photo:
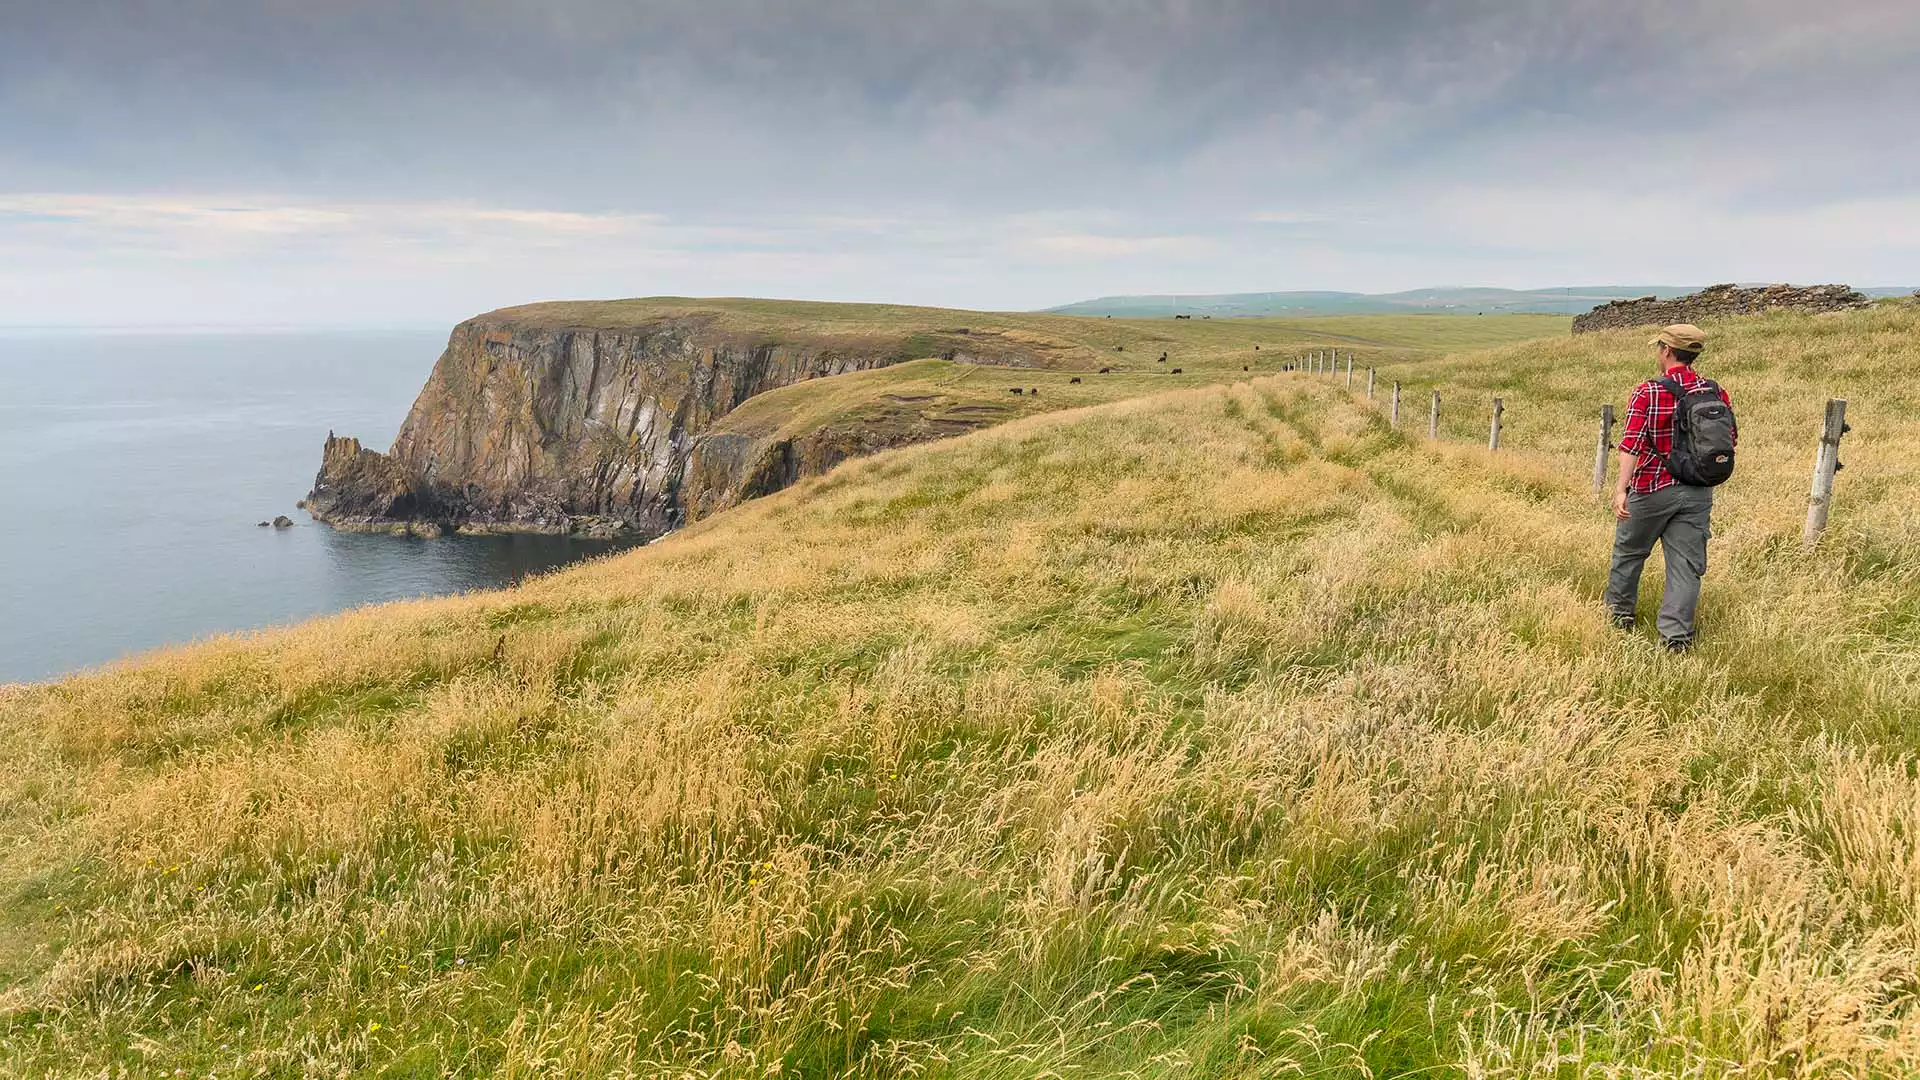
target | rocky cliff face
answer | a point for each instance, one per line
(728, 467)
(1718, 301)
(531, 425)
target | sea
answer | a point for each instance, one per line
(136, 466)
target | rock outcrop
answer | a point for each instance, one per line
(1719, 301)
(590, 419)
(727, 467)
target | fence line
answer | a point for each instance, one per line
(1826, 461)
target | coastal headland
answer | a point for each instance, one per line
(634, 417)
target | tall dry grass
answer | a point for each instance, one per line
(1226, 733)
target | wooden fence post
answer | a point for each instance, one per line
(1603, 449)
(1825, 463)
(1493, 436)
(1369, 384)
(1349, 373)
(1396, 404)
(1433, 418)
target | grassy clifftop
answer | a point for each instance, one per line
(746, 315)
(1223, 732)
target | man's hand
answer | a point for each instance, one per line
(1620, 504)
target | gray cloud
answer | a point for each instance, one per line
(1022, 151)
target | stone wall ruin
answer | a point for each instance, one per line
(1719, 301)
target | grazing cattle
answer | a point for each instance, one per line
(1075, 379)
(1256, 348)
(1176, 371)
(1035, 391)
(1013, 389)
(1119, 348)
(1183, 316)
(1104, 370)
(1243, 367)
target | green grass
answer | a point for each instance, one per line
(1220, 732)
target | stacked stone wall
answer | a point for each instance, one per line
(1719, 301)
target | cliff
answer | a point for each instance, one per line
(1719, 301)
(591, 418)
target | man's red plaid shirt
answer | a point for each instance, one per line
(1649, 429)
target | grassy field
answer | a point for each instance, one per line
(1204, 336)
(1222, 732)
(1073, 351)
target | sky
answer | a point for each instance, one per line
(374, 162)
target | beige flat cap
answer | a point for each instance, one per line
(1683, 336)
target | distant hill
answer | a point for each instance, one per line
(1569, 300)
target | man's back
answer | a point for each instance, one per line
(1652, 504)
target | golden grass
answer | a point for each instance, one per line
(1224, 732)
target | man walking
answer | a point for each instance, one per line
(1676, 423)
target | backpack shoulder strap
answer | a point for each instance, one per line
(1672, 386)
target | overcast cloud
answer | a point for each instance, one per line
(302, 162)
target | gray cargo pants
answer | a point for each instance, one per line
(1680, 518)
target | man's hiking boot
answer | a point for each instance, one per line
(1621, 620)
(1677, 644)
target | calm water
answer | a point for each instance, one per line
(134, 468)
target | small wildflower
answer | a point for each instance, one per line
(375, 1026)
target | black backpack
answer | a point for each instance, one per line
(1703, 435)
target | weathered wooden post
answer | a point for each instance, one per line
(1493, 436)
(1603, 449)
(1369, 384)
(1349, 373)
(1826, 462)
(1433, 418)
(1396, 404)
